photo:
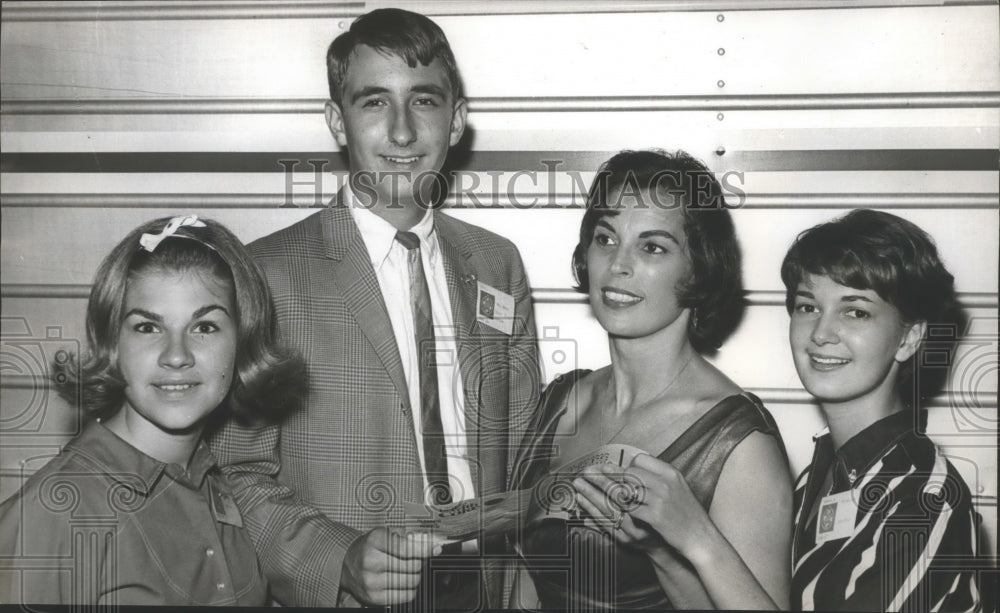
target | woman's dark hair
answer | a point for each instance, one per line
(405, 34)
(893, 257)
(268, 379)
(715, 287)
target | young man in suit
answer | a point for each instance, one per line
(380, 424)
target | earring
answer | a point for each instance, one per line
(694, 319)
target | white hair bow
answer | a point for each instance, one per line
(150, 242)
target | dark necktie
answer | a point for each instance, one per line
(435, 460)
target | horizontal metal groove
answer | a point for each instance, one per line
(562, 104)
(770, 395)
(485, 161)
(451, 7)
(520, 201)
(947, 398)
(974, 300)
(143, 11)
(769, 102)
(44, 290)
(304, 9)
(968, 300)
(529, 161)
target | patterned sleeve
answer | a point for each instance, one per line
(301, 550)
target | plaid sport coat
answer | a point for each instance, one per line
(345, 461)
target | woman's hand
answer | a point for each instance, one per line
(608, 496)
(657, 504)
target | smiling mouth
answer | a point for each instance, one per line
(619, 298)
(405, 160)
(174, 387)
(827, 363)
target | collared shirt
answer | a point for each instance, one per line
(389, 259)
(913, 541)
(103, 523)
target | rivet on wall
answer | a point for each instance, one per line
(720, 17)
(721, 83)
(722, 51)
(720, 116)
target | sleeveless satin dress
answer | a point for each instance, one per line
(575, 567)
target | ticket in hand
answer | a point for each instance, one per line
(552, 496)
(614, 454)
(467, 519)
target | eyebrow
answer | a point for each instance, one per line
(429, 88)
(848, 298)
(646, 234)
(601, 222)
(370, 90)
(420, 88)
(662, 233)
(205, 310)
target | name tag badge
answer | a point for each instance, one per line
(495, 308)
(837, 513)
(224, 508)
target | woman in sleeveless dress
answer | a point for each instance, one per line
(660, 262)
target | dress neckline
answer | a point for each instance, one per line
(673, 449)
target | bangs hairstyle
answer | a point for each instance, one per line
(872, 250)
(390, 31)
(268, 378)
(677, 180)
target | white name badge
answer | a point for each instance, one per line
(495, 308)
(837, 513)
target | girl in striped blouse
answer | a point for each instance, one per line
(883, 520)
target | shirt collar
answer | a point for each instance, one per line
(129, 466)
(379, 235)
(863, 449)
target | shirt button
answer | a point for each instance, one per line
(220, 585)
(210, 552)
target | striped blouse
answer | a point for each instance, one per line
(912, 541)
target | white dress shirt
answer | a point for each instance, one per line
(389, 259)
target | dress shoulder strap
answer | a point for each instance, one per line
(701, 451)
(532, 454)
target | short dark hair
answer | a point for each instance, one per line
(715, 287)
(873, 250)
(408, 35)
(268, 379)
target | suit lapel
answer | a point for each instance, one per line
(482, 358)
(483, 415)
(462, 294)
(353, 273)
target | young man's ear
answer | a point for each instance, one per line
(458, 118)
(335, 121)
(912, 336)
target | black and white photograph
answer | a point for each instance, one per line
(573, 305)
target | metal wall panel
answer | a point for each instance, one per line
(114, 113)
